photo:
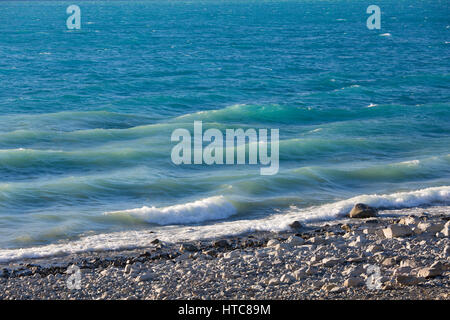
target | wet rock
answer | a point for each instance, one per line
(361, 211)
(221, 243)
(188, 247)
(296, 225)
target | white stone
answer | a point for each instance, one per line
(446, 229)
(231, 254)
(282, 246)
(373, 248)
(287, 278)
(396, 230)
(410, 220)
(429, 227)
(145, 277)
(295, 241)
(446, 252)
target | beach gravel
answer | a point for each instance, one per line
(348, 259)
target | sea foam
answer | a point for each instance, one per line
(211, 207)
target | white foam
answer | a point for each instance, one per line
(212, 208)
(277, 222)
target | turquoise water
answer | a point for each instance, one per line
(86, 115)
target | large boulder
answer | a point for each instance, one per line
(362, 211)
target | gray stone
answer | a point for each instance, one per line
(287, 278)
(396, 230)
(295, 241)
(407, 280)
(148, 276)
(353, 282)
(429, 227)
(330, 262)
(436, 269)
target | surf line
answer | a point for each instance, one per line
(191, 150)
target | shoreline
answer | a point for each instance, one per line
(328, 260)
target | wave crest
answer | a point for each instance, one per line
(213, 208)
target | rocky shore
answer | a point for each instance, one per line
(403, 254)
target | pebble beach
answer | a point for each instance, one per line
(398, 254)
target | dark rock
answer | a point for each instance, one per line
(296, 225)
(221, 244)
(211, 252)
(156, 241)
(361, 211)
(188, 247)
